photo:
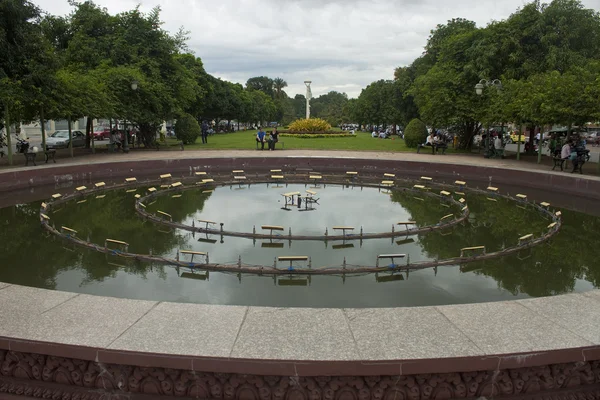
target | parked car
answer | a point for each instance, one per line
(60, 140)
(101, 133)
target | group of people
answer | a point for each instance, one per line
(261, 138)
(573, 149)
(434, 139)
(380, 134)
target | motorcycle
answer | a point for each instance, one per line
(22, 145)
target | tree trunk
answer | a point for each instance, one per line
(70, 136)
(147, 134)
(43, 128)
(88, 141)
(7, 123)
(531, 138)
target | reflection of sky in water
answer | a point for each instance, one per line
(49, 262)
(258, 205)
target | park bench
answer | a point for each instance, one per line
(497, 153)
(558, 162)
(50, 154)
(435, 148)
(30, 156)
(267, 143)
(581, 158)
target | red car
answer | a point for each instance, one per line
(101, 133)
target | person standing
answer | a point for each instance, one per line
(204, 132)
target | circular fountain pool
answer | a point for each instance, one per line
(38, 258)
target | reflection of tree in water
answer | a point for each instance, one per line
(113, 217)
(28, 255)
(424, 209)
(547, 269)
(190, 202)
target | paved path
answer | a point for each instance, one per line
(83, 157)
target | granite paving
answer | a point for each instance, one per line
(595, 294)
(407, 333)
(4, 285)
(584, 323)
(85, 320)
(295, 334)
(21, 304)
(462, 159)
(191, 329)
(509, 327)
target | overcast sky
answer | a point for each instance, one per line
(339, 45)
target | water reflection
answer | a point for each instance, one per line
(31, 257)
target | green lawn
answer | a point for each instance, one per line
(245, 140)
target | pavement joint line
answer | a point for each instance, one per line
(555, 320)
(61, 303)
(239, 331)
(481, 351)
(156, 303)
(356, 348)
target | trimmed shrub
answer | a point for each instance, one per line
(310, 125)
(415, 133)
(187, 129)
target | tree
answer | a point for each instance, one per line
(262, 84)
(278, 85)
(330, 107)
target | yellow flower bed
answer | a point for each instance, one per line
(310, 125)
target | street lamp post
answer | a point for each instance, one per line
(134, 86)
(479, 91)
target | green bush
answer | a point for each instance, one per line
(415, 133)
(187, 129)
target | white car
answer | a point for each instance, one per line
(60, 140)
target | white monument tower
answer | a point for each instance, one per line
(308, 97)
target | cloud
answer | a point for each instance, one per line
(338, 44)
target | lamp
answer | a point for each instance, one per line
(134, 86)
(479, 91)
(484, 82)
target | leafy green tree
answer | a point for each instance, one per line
(330, 107)
(262, 84)
(278, 85)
